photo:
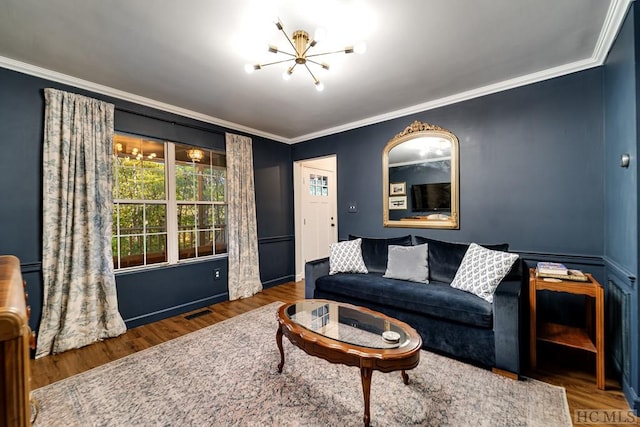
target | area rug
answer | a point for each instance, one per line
(226, 374)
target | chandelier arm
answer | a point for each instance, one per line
(286, 53)
(317, 63)
(326, 53)
(276, 62)
(281, 27)
(310, 72)
(304, 54)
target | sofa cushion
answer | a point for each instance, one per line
(445, 257)
(346, 257)
(375, 251)
(437, 300)
(482, 270)
(408, 263)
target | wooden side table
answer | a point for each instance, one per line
(569, 336)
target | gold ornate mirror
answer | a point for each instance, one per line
(420, 186)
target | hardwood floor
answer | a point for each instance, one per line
(576, 374)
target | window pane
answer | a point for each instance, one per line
(114, 219)
(186, 217)
(128, 182)
(131, 251)
(156, 218)
(114, 252)
(220, 218)
(153, 183)
(131, 219)
(205, 243)
(186, 244)
(156, 248)
(205, 216)
(219, 179)
(208, 186)
(221, 241)
(219, 160)
(185, 183)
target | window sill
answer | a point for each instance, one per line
(166, 265)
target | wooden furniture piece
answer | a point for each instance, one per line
(581, 338)
(344, 333)
(15, 340)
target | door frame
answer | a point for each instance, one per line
(330, 163)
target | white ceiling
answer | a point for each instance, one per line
(188, 56)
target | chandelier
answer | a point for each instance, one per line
(301, 44)
(195, 155)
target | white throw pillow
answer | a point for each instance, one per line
(408, 263)
(346, 257)
(482, 270)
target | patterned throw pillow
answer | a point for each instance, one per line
(482, 270)
(346, 257)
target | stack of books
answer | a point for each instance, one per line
(556, 270)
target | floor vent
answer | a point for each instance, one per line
(197, 314)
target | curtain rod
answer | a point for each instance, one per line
(173, 122)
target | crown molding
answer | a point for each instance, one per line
(55, 76)
(453, 99)
(613, 21)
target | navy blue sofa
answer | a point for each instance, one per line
(450, 321)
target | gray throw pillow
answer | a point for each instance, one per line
(408, 263)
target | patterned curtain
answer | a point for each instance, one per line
(244, 269)
(79, 302)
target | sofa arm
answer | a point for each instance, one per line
(312, 271)
(506, 325)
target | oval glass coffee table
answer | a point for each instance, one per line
(350, 335)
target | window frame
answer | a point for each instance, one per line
(171, 213)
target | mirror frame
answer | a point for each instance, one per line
(418, 129)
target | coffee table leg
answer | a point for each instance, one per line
(366, 391)
(405, 377)
(279, 342)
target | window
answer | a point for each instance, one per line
(318, 185)
(166, 211)
(200, 200)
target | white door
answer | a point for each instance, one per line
(319, 226)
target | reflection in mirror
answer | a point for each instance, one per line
(420, 178)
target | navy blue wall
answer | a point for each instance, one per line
(274, 200)
(149, 295)
(531, 175)
(527, 170)
(621, 72)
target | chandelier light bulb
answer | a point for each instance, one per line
(319, 86)
(249, 68)
(286, 75)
